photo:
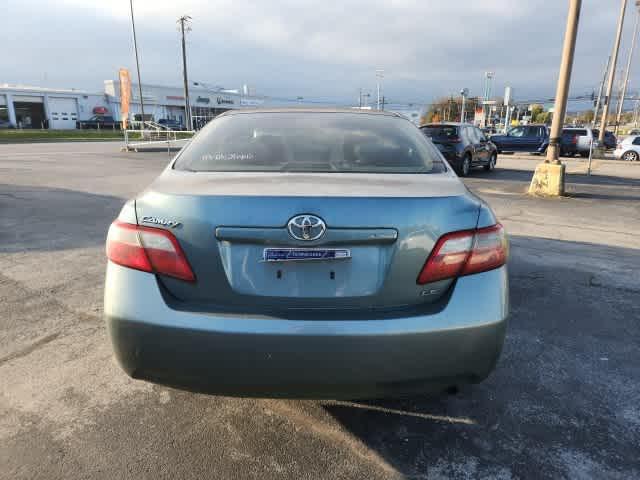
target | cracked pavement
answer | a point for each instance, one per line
(562, 403)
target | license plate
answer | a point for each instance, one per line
(304, 254)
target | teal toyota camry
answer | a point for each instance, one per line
(307, 254)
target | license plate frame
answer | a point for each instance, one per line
(301, 254)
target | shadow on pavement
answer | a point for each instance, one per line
(571, 178)
(46, 219)
(562, 402)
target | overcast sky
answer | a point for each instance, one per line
(315, 49)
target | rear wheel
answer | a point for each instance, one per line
(492, 163)
(630, 156)
(466, 165)
(584, 154)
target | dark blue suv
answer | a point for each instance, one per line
(524, 138)
(533, 139)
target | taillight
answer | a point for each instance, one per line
(147, 249)
(574, 140)
(464, 253)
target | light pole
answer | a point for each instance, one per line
(626, 75)
(612, 74)
(135, 48)
(464, 92)
(365, 97)
(548, 178)
(488, 83)
(184, 25)
(379, 76)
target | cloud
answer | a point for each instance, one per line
(314, 49)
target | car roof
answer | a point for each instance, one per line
(250, 111)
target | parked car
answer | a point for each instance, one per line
(610, 140)
(532, 138)
(628, 149)
(463, 145)
(569, 143)
(6, 124)
(171, 124)
(586, 135)
(524, 138)
(307, 253)
(99, 122)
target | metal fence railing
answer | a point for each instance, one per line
(153, 136)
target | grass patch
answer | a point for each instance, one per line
(22, 136)
(32, 136)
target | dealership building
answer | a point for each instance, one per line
(35, 107)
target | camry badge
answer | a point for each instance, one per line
(306, 227)
(161, 221)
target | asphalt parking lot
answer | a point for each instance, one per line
(564, 401)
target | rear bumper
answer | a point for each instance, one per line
(333, 358)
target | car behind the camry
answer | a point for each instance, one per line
(307, 253)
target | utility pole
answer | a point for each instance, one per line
(135, 48)
(360, 97)
(564, 79)
(626, 75)
(549, 176)
(597, 107)
(379, 76)
(612, 74)
(184, 21)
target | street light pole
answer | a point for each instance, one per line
(379, 75)
(626, 75)
(464, 92)
(612, 74)
(564, 79)
(185, 20)
(135, 48)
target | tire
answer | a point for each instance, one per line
(630, 156)
(492, 163)
(465, 168)
(584, 154)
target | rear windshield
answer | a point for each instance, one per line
(440, 131)
(607, 133)
(581, 133)
(310, 142)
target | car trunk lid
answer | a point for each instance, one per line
(388, 224)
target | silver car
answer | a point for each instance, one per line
(307, 253)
